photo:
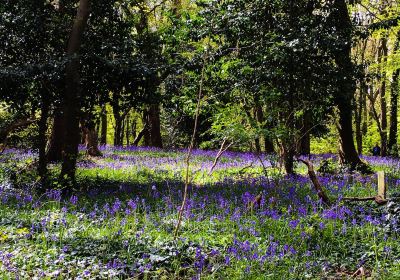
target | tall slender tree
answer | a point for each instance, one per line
(71, 98)
(346, 85)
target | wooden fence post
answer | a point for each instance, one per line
(381, 184)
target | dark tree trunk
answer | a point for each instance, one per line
(361, 106)
(394, 95)
(258, 114)
(133, 129)
(42, 166)
(146, 128)
(91, 141)
(118, 130)
(103, 117)
(268, 145)
(359, 116)
(346, 87)
(71, 102)
(155, 126)
(384, 124)
(118, 117)
(55, 148)
(139, 136)
(304, 145)
(127, 130)
(288, 157)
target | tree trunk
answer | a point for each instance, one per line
(91, 141)
(55, 147)
(384, 51)
(118, 130)
(394, 95)
(359, 112)
(288, 157)
(155, 126)
(305, 138)
(103, 117)
(346, 87)
(127, 130)
(133, 129)
(146, 128)
(71, 102)
(118, 121)
(44, 115)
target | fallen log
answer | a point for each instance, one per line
(314, 179)
(5, 132)
(378, 199)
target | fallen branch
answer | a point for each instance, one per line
(378, 199)
(314, 179)
(139, 136)
(21, 123)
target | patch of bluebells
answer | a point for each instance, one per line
(288, 202)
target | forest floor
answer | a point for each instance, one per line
(120, 224)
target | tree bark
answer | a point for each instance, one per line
(91, 140)
(45, 106)
(71, 100)
(304, 145)
(118, 117)
(394, 95)
(346, 87)
(384, 54)
(55, 147)
(127, 130)
(103, 117)
(118, 130)
(146, 129)
(359, 113)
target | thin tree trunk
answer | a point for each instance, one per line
(103, 138)
(45, 106)
(118, 130)
(71, 102)
(305, 138)
(55, 147)
(358, 118)
(133, 129)
(384, 125)
(118, 122)
(258, 116)
(394, 95)
(127, 130)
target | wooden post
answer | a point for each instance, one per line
(381, 184)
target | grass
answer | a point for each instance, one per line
(121, 224)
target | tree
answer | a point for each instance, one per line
(346, 87)
(71, 98)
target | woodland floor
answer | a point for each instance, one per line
(120, 224)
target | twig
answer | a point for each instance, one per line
(219, 154)
(188, 156)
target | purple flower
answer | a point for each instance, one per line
(73, 200)
(293, 224)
